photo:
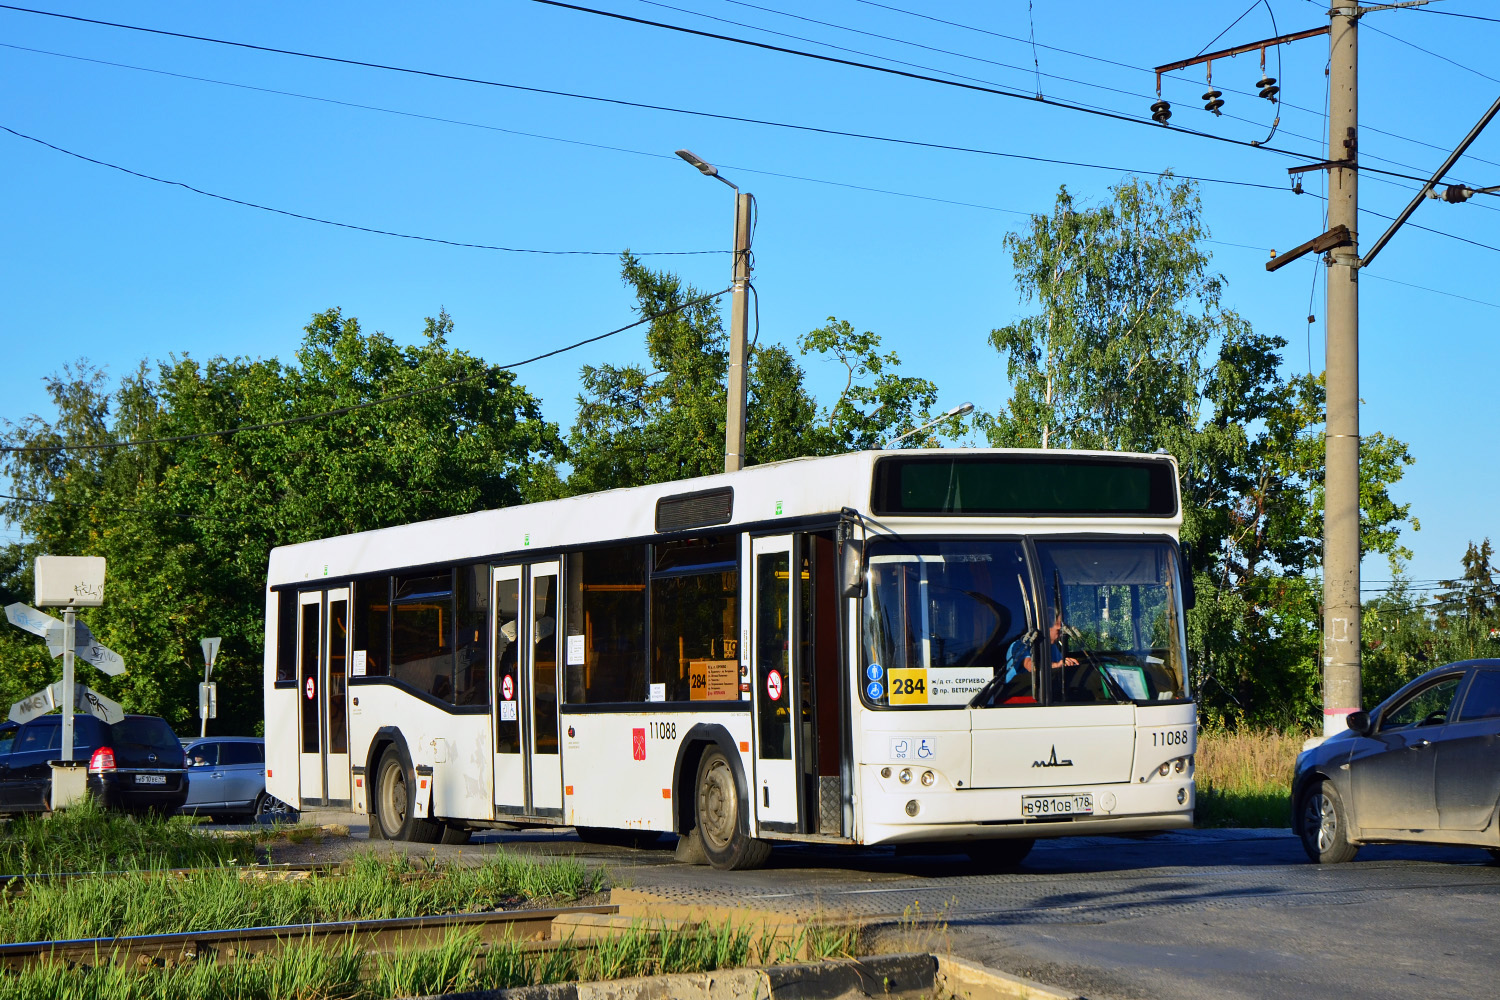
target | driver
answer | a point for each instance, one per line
(1019, 657)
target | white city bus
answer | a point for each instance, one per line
(963, 648)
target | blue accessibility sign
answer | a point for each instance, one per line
(875, 690)
(873, 671)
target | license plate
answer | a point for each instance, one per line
(1057, 805)
(150, 779)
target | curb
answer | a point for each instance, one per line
(876, 975)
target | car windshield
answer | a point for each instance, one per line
(955, 622)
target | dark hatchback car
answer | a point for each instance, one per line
(1423, 766)
(135, 764)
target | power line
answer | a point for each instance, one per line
(1170, 76)
(345, 225)
(396, 397)
(621, 102)
(90, 506)
(1435, 291)
(1435, 55)
(1454, 13)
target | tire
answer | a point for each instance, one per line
(394, 781)
(720, 812)
(1324, 826)
(269, 809)
(1000, 855)
(456, 834)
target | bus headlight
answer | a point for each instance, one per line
(928, 777)
(905, 776)
(885, 772)
(913, 807)
(1165, 769)
(1181, 796)
(1179, 765)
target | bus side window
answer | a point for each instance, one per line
(286, 637)
(372, 623)
(606, 607)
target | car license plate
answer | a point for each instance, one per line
(150, 779)
(1057, 805)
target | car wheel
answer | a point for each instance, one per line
(270, 809)
(1325, 826)
(721, 817)
(1000, 855)
(394, 785)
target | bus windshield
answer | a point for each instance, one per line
(960, 622)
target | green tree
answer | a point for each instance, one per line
(187, 521)
(664, 421)
(1132, 348)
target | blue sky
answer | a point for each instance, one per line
(102, 265)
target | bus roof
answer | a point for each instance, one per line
(758, 495)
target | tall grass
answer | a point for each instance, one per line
(460, 963)
(214, 898)
(1244, 777)
(87, 837)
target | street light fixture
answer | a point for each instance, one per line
(739, 315)
(957, 411)
(704, 167)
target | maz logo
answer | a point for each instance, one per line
(1052, 761)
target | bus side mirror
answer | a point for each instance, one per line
(1189, 591)
(853, 564)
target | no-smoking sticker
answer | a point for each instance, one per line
(312, 689)
(773, 684)
(507, 688)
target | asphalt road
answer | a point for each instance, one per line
(1211, 914)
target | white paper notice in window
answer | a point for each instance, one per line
(658, 693)
(507, 711)
(358, 664)
(575, 650)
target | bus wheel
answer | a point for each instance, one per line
(456, 834)
(721, 819)
(1000, 855)
(393, 796)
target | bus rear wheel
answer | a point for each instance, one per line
(722, 822)
(394, 784)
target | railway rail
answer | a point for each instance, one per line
(379, 935)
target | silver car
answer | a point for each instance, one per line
(1423, 766)
(229, 780)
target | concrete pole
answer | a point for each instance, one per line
(739, 315)
(70, 691)
(1341, 610)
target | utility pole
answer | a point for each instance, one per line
(739, 316)
(1341, 609)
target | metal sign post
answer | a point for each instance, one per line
(208, 702)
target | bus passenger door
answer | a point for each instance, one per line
(310, 718)
(335, 698)
(510, 773)
(774, 610)
(544, 762)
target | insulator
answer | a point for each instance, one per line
(1269, 93)
(1265, 82)
(1213, 101)
(1456, 193)
(1161, 111)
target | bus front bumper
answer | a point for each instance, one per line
(995, 813)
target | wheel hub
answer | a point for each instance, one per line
(717, 805)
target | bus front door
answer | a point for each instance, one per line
(309, 679)
(528, 768)
(774, 617)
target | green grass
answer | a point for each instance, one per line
(88, 838)
(459, 964)
(215, 898)
(1244, 777)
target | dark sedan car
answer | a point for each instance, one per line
(1423, 766)
(134, 764)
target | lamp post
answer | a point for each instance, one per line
(957, 411)
(739, 314)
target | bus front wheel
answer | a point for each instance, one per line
(394, 785)
(722, 821)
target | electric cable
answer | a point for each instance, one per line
(395, 397)
(1435, 55)
(345, 225)
(621, 102)
(90, 506)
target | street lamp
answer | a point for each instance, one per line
(957, 411)
(739, 315)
